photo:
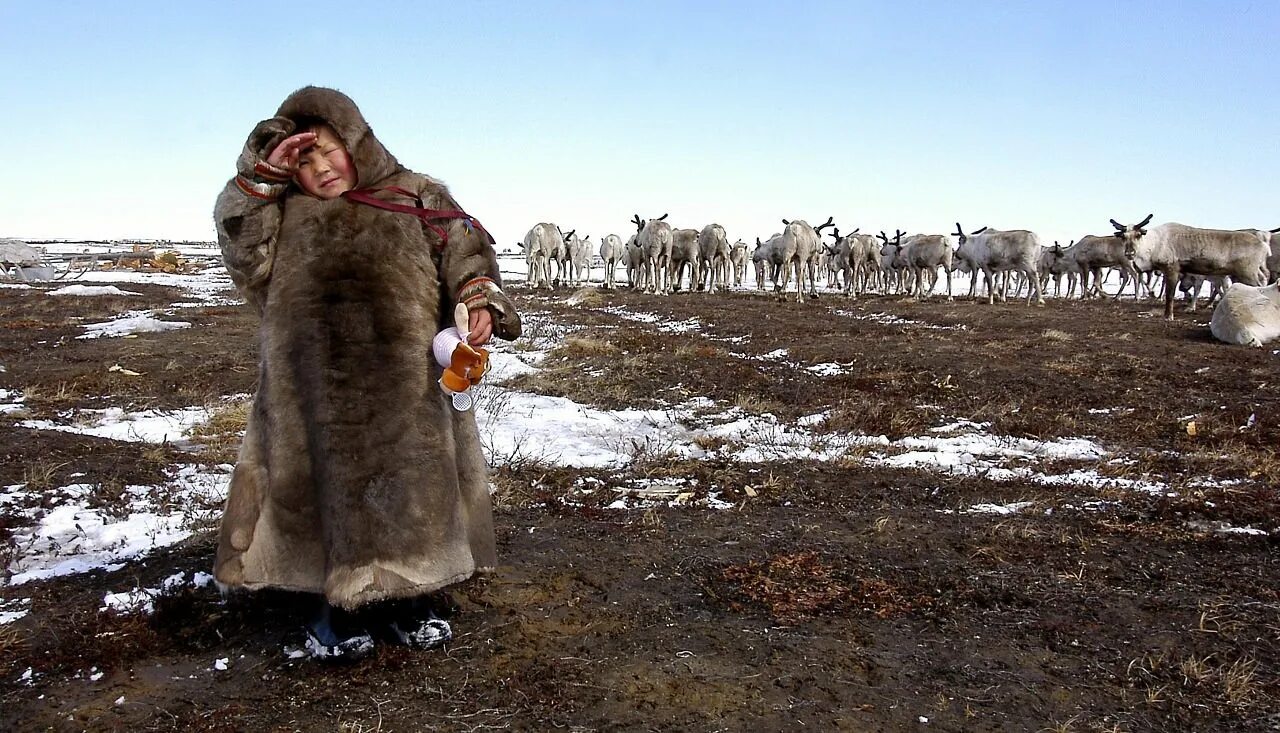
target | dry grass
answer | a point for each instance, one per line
(12, 643)
(586, 296)
(567, 381)
(1054, 334)
(1196, 670)
(871, 415)
(1066, 726)
(111, 496)
(1015, 529)
(38, 475)
(699, 350)
(55, 394)
(222, 432)
(709, 443)
(582, 346)
(1215, 618)
(754, 404)
(157, 454)
(1235, 684)
(1239, 681)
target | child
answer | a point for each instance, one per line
(356, 480)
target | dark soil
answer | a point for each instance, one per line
(832, 596)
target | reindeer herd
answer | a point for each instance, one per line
(657, 257)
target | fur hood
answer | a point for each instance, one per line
(373, 162)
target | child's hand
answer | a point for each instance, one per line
(479, 326)
(286, 155)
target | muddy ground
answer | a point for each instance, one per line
(832, 596)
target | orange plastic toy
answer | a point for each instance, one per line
(464, 365)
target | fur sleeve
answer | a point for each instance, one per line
(469, 271)
(247, 228)
(469, 266)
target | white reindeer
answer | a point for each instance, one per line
(1174, 249)
(684, 251)
(993, 251)
(840, 267)
(891, 264)
(738, 258)
(1247, 315)
(799, 242)
(610, 252)
(1092, 253)
(654, 238)
(633, 259)
(767, 259)
(1055, 262)
(578, 256)
(924, 254)
(713, 258)
(540, 246)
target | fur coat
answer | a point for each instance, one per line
(356, 478)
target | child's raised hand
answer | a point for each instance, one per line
(287, 154)
(479, 326)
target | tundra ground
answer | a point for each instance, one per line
(852, 591)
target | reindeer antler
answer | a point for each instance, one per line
(828, 223)
(1116, 224)
(1144, 222)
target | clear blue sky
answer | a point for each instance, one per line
(125, 119)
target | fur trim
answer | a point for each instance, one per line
(260, 190)
(373, 162)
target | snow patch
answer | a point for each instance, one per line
(148, 426)
(91, 290)
(130, 323)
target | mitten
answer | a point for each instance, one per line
(254, 175)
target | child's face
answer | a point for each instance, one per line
(325, 169)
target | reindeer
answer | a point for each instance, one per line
(1055, 262)
(684, 251)
(540, 246)
(610, 252)
(654, 238)
(738, 257)
(1173, 249)
(633, 259)
(893, 267)
(578, 256)
(841, 261)
(993, 251)
(924, 254)
(767, 259)
(799, 241)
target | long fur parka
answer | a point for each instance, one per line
(356, 478)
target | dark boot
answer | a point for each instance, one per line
(334, 635)
(413, 622)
